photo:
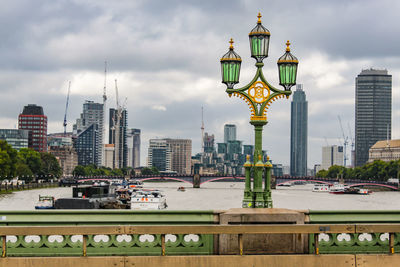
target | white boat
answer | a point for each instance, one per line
(45, 202)
(147, 199)
(338, 188)
(321, 188)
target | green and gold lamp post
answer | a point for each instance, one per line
(259, 95)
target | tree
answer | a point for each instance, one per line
(50, 165)
(8, 159)
(79, 171)
(335, 171)
(23, 172)
(154, 170)
(147, 171)
(31, 158)
(322, 174)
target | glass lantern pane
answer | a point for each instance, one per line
(266, 46)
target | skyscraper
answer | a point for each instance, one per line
(373, 111)
(133, 144)
(298, 133)
(33, 119)
(86, 145)
(122, 148)
(229, 132)
(92, 115)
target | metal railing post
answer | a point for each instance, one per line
(84, 245)
(4, 246)
(240, 237)
(163, 244)
(316, 243)
(391, 243)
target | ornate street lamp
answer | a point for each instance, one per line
(258, 94)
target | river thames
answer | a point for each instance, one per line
(226, 195)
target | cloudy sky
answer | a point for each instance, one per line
(165, 55)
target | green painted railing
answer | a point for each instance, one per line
(354, 243)
(114, 244)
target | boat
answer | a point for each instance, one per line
(321, 188)
(45, 203)
(337, 189)
(148, 199)
(356, 191)
(181, 189)
(99, 195)
(134, 184)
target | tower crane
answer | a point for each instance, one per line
(352, 144)
(117, 129)
(202, 131)
(345, 141)
(104, 114)
(66, 109)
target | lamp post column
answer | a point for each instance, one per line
(259, 165)
(267, 189)
(248, 195)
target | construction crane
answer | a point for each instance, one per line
(66, 109)
(117, 129)
(104, 113)
(202, 131)
(345, 141)
(351, 137)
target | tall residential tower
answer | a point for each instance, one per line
(229, 132)
(92, 115)
(298, 133)
(373, 111)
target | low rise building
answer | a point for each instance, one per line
(66, 156)
(385, 150)
(15, 137)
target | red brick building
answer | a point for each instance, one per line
(33, 119)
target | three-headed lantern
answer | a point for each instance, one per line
(259, 41)
(230, 67)
(287, 65)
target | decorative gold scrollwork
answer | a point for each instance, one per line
(259, 92)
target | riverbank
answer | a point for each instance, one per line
(8, 189)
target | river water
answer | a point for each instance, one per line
(226, 195)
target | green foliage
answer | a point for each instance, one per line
(378, 171)
(150, 171)
(8, 157)
(23, 171)
(322, 174)
(26, 163)
(50, 165)
(93, 170)
(79, 171)
(146, 171)
(31, 158)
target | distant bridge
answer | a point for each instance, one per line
(280, 180)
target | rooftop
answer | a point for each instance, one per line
(385, 143)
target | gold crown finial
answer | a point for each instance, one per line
(267, 158)
(247, 157)
(259, 157)
(259, 18)
(231, 42)
(287, 46)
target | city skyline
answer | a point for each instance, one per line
(167, 87)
